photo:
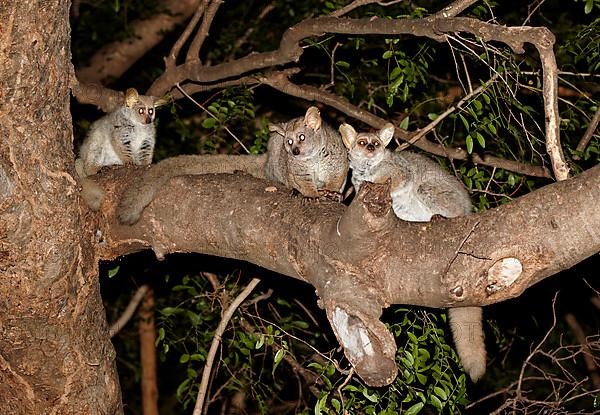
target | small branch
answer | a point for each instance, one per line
(171, 60)
(544, 45)
(129, 311)
(518, 391)
(217, 340)
(359, 3)
(589, 133)
(104, 98)
(588, 356)
(423, 131)
(454, 9)
(147, 332)
(193, 53)
(213, 116)
(596, 301)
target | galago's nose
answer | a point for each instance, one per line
(295, 151)
(370, 147)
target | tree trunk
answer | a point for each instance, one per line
(55, 353)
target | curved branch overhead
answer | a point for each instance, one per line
(244, 70)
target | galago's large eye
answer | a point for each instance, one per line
(150, 111)
(301, 137)
(141, 111)
(376, 143)
(362, 143)
(290, 142)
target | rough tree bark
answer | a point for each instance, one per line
(55, 353)
(362, 258)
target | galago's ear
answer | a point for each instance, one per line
(312, 118)
(386, 133)
(278, 129)
(164, 100)
(131, 97)
(348, 135)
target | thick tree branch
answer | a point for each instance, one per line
(359, 257)
(114, 59)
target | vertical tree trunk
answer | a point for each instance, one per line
(147, 332)
(55, 353)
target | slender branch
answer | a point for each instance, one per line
(589, 132)
(171, 60)
(544, 45)
(129, 310)
(217, 340)
(193, 54)
(359, 3)
(588, 356)
(425, 130)
(214, 117)
(454, 9)
(147, 332)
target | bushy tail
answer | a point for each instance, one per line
(91, 193)
(467, 331)
(140, 193)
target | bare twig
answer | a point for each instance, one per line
(147, 332)
(423, 131)
(588, 357)
(193, 53)
(527, 361)
(217, 340)
(359, 3)
(213, 116)
(544, 45)
(171, 60)
(589, 133)
(129, 310)
(454, 9)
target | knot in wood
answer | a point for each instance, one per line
(377, 198)
(457, 292)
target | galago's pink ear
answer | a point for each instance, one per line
(348, 135)
(278, 129)
(312, 118)
(131, 97)
(386, 133)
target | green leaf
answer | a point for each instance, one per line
(464, 120)
(415, 409)
(395, 72)
(589, 4)
(342, 64)
(492, 128)
(404, 123)
(260, 342)
(113, 272)
(440, 392)
(209, 123)
(387, 54)
(480, 139)
(278, 357)
(184, 358)
(469, 143)
(432, 116)
(336, 405)
(372, 397)
(436, 402)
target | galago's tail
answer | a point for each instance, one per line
(467, 331)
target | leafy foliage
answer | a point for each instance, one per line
(278, 352)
